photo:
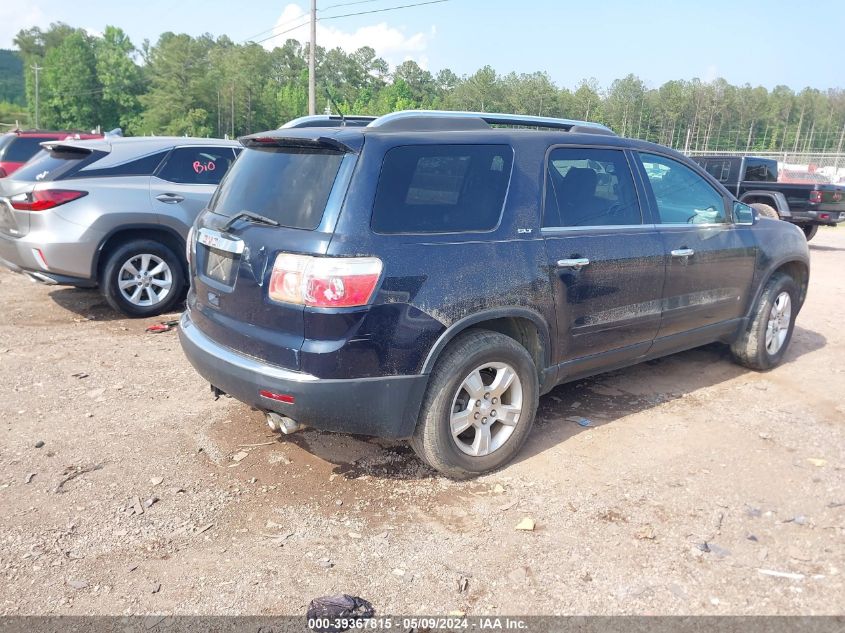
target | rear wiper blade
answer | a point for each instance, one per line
(252, 217)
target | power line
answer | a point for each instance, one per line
(348, 4)
(403, 6)
(334, 6)
(349, 15)
(298, 26)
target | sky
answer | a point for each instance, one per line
(767, 43)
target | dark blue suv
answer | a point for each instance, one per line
(431, 274)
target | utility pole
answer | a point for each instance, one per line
(36, 68)
(312, 62)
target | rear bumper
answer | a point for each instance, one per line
(62, 252)
(51, 279)
(382, 407)
(825, 218)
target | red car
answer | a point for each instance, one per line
(18, 146)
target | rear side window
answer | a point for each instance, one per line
(197, 165)
(289, 185)
(590, 187)
(442, 188)
(760, 170)
(144, 166)
(21, 148)
(55, 165)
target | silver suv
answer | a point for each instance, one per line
(113, 213)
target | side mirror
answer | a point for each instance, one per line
(744, 215)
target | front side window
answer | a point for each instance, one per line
(442, 188)
(590, 187)
(682, 196)
(197, 165)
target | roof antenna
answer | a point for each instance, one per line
(335, 106)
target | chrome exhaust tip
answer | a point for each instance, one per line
(282, 423)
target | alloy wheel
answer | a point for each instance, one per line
(145, 280)
(486, 409)
(778, 326)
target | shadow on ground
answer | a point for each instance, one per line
(819, 247)
(602, 399)
(90, 304)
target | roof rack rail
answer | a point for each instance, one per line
(328, 120)
(460, 120)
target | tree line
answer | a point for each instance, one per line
(206, 86)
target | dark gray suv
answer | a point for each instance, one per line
(430, 275)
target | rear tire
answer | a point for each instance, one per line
(143, 278)
(479, 406)
(766, 210)
(763, 344)
(810, 230)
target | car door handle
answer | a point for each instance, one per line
(683, 252)
(577, 264)
(170, 198)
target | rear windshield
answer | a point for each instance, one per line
(442, 188)
(291, 186)
(21, 149)
(5, 139)
(54, 165)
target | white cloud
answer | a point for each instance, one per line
(15, 16)
(389, 42)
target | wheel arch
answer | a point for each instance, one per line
(128, 232)
(525, 326)
(798, 269)
(773, 198)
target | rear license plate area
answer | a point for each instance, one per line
(220, 266)
(218, 257)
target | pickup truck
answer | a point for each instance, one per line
(754, 181)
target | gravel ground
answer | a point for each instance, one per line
(700, 488)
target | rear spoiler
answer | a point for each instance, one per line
(298, 142)
(73, 145)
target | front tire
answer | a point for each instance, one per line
(143, 278)
(763, 344)
(479, 407)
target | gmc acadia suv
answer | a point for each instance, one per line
(430, 275)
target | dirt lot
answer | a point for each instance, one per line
(700, 487)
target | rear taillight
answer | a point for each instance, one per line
(3, 173)
(815, 197)
(44, 199)
(324, 282)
